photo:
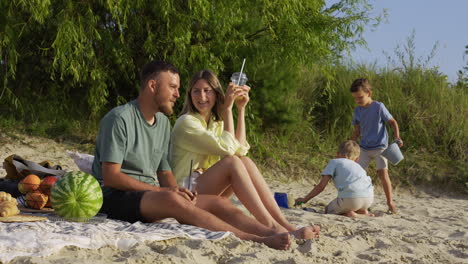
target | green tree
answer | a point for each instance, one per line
(79, 58)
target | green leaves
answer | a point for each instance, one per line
(92, 51)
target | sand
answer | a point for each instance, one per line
(431, 227)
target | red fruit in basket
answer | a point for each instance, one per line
(30, 183)
(36, 200)
(46, 185)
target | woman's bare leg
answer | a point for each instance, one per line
(231, 173)
(270, 204)
(226, 211)
(265, 193)
(171, 204)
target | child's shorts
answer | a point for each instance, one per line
(367, 156)
(344, 205)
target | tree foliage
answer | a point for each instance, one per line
(78, 59)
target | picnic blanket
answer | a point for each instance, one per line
(45, 238)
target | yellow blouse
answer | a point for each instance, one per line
(205, 144)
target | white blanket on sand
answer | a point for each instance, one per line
(48, 237)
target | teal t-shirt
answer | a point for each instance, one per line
(126, 138)
(350, 179)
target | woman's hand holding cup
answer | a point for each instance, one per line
(242, 96)
(230, 97)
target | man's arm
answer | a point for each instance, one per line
(166, 179)
(114, 178)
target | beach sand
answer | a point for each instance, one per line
(431, 227)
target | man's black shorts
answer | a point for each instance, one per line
(123, 206)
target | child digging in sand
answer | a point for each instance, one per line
(355, 190)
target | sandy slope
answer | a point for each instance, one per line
(430, 228)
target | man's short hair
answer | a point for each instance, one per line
(361, 84)
(151, 71)
(350, 149)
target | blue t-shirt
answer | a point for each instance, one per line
(126, 138)
(350, 179)
(371, 120)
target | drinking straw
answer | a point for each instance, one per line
(190, 176)
(240, 75)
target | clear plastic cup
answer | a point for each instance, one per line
(235, 78)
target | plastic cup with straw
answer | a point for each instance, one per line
(190, 176)
(240, 78)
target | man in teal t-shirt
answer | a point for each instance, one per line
(126, 138)
(131, 151)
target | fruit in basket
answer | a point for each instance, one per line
(8, 205)
(77, 196)
(36, 200)
(29, 183)
(6, 197)
(8, 209)
(49, 202)
(46, 185)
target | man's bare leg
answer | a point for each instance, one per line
(159, 205)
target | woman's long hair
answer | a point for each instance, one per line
(213, 82)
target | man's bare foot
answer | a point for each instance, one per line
(306, 232)
(279, 241)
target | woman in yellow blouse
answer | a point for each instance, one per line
(208, 153)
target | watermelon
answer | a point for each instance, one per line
(76, 196)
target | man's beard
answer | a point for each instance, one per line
(164, 106)
(165, 109)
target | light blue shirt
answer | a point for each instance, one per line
(371, 121)
(350, 179)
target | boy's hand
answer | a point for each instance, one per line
(399, 142)
(300, 201)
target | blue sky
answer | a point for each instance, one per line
(445, 22)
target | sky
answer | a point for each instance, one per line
(433, 21)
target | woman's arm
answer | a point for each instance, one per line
(241, 102)
(229, 99)
(190, 134)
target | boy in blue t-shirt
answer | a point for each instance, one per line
(369, 121)
(355, 190)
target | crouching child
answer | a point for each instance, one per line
(355, 190)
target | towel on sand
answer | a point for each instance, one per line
(48, 237)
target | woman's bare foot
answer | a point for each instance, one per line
(279, 241)
(306, 232)
(278, 229)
